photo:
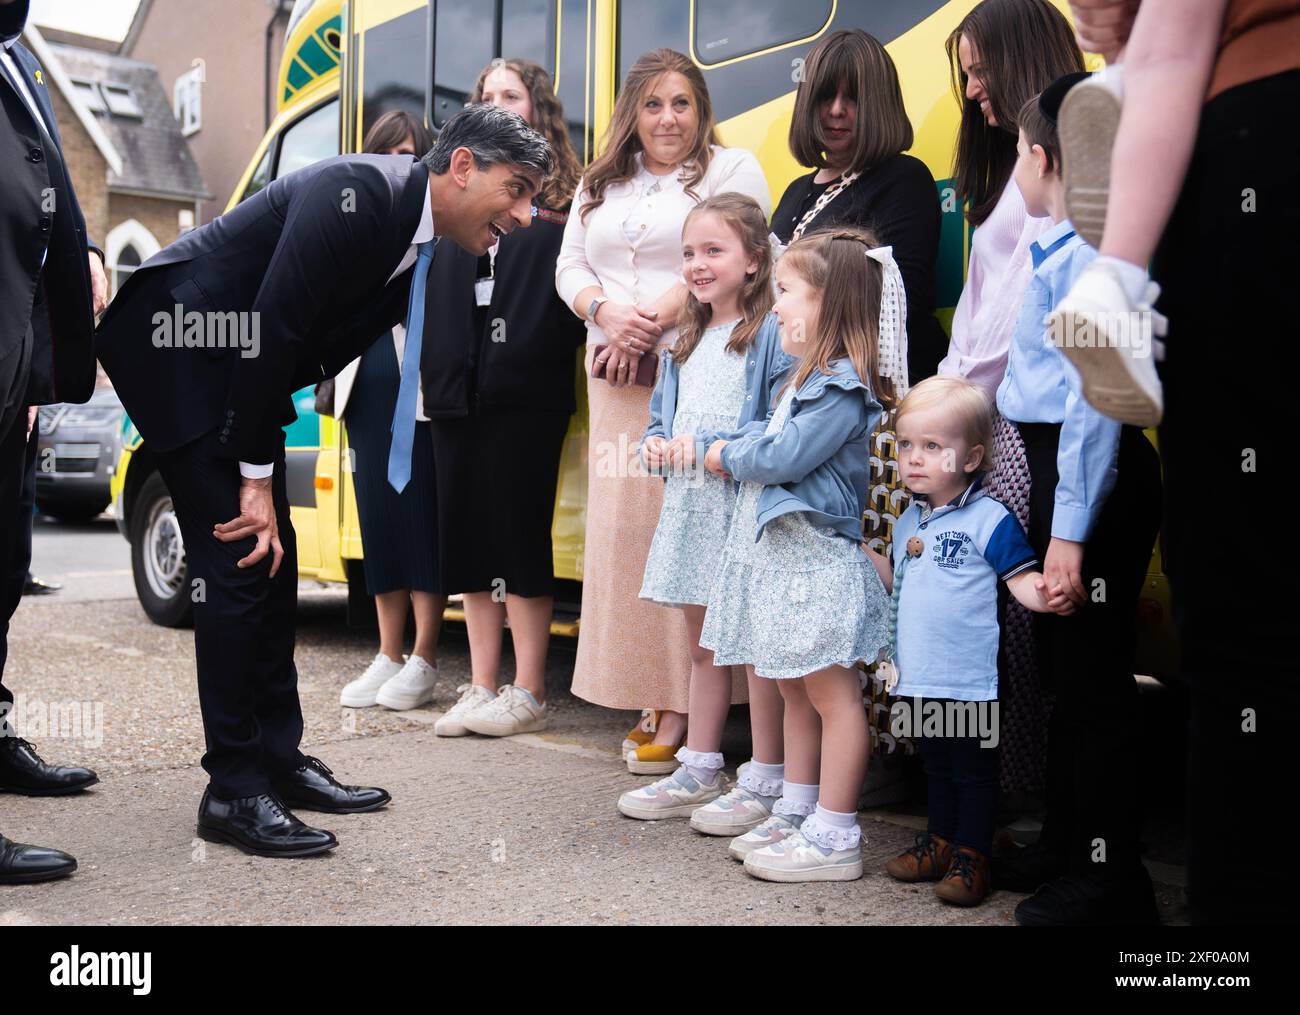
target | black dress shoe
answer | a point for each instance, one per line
(23, 864)
(1091, 900)
(1027, 868)
(260, 825)
(312, 787)
(39, 587)
(23, 771)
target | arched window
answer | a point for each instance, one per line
(128, 259)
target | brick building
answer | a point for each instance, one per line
(137, 182)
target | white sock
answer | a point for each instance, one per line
(702, 766)
(1133, 278)
(831, 830)
(797, 798)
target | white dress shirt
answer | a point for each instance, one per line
(16, 76)
(424, 232)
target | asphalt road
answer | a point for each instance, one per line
(480, 831)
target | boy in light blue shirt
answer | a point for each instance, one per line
(950, 549)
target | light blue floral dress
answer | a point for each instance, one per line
(800, 599)
(687, 545)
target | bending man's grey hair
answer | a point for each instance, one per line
(494, 136)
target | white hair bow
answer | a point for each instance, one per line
(892, 328)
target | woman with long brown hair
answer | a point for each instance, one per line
(620, 271)
(1002, 54)
(499, 387)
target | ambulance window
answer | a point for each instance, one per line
(310, 139)
(725, 29)
(462, 46)
(395, 68)
(528, 30)
(261, 175)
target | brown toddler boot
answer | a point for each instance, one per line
(967, 880)
(928, 860)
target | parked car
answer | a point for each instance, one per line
(78, 446)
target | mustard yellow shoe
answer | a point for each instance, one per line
(654, 759)
(642, 733)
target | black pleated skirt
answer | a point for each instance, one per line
(398, 531)
(496, 477)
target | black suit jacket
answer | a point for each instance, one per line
(46, 323)
(302, 265)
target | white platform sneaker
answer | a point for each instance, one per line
(360, 693)
(411, 688)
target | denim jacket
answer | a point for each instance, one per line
(765, 364)
(818, 463)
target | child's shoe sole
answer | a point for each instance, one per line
(632, 810)
(836, 872)
(1089, 119)
(705, 827)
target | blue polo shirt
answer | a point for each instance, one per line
(947, 639)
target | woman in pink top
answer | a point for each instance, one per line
(1003, 53)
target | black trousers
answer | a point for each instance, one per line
(1093, 806)
(243, 624)
(961, 788)
(1227, 442)
(17, 496)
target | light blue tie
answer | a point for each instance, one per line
(403, 430)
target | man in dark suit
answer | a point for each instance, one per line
(206, 342)
(51, 285)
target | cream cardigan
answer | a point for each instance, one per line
(598, 253)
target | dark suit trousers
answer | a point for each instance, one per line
(17, 490)
(243, 624)
(1227, 270)
(1087, 660)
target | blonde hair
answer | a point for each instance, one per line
(962, 403)
(742, 215)
(834, 262)
(617, 161)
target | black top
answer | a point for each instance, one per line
(897, 200)
(518, 352)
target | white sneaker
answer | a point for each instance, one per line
(411, 688)
(796, 860)
(512, 711)
(770, 832)
(1087, 123)
(471, 697)
(360, 693)
(677, 796)
(1110, 340)
(733, 813)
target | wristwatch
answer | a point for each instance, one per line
(595, 305)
